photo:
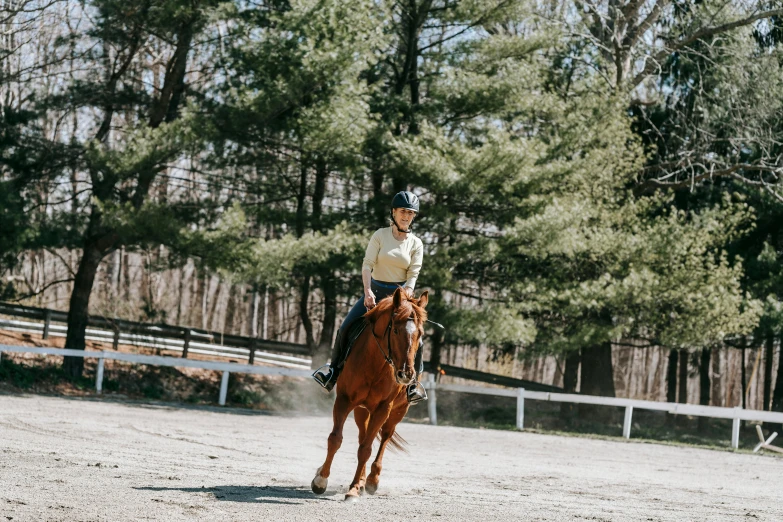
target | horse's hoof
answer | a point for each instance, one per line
(371, 488)
(319, 485)
(351, 497)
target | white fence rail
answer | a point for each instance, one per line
(149, 341)
(159, 360)
(735, 414)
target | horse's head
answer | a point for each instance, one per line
(405, 332)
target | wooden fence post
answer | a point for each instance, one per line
(187, 344)
(432, 403)
(520, 408)
(223, 389)
(47, 323)
(115, 344)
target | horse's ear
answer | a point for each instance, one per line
(397, 299)
(424, 299)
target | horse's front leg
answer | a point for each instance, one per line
(387, 431)
(377, 418)
(340, 412)
(362, 416)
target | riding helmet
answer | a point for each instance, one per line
(406, 199)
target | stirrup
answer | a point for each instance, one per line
(327, 378)
(416, 393)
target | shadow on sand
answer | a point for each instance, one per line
(260, 494)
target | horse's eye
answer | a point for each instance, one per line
(395, 331)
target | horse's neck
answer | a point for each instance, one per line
(375, 342)
(379, 327)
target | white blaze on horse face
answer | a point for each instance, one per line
(410, 329)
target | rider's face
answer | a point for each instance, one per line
(404, 217)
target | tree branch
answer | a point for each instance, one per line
(41, 290)
(651, 185)
(653, 62)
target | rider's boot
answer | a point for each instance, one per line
(326, 376)
(416, 392)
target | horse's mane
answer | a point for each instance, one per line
(407, 308)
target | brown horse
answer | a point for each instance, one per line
(372, 385)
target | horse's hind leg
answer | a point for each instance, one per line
(377, 418)
(362, 417)
(387, 431)
(339, 414)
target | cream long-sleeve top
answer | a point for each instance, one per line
(394, 261)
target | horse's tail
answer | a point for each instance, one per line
(397, 442)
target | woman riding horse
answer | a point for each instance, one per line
(392, 260)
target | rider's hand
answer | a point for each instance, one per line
(369, 299)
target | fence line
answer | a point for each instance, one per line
(192, 340)
(159, 360)
(735, 414)
(186, 336)
(148, 341)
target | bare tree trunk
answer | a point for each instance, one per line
(597, 378)
(682, 390)
(597, 374)
(230, 317)
(304, 313)
(253, 330)
(777, 396)
(570, 377)
(126, 276)
(329, 289)
(319, 192)
(211, 320)
(768, 352)
(144, 289)
(744, 377)
(717, 378)
(181, 294)
(671, 383)
(704, 386)
(265, 323)
(571, 371)
(79, 308)
(379, 203)
(204, 299)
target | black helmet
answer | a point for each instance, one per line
(406, 199)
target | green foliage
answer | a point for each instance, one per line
(494, 325)
(538, 174)
(273, 262)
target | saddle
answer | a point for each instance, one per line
(352, 333)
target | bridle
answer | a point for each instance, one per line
(387, 354)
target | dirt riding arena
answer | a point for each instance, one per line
(78, 459)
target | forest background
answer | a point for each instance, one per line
(600, 179)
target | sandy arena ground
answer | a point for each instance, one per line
(81, 459)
